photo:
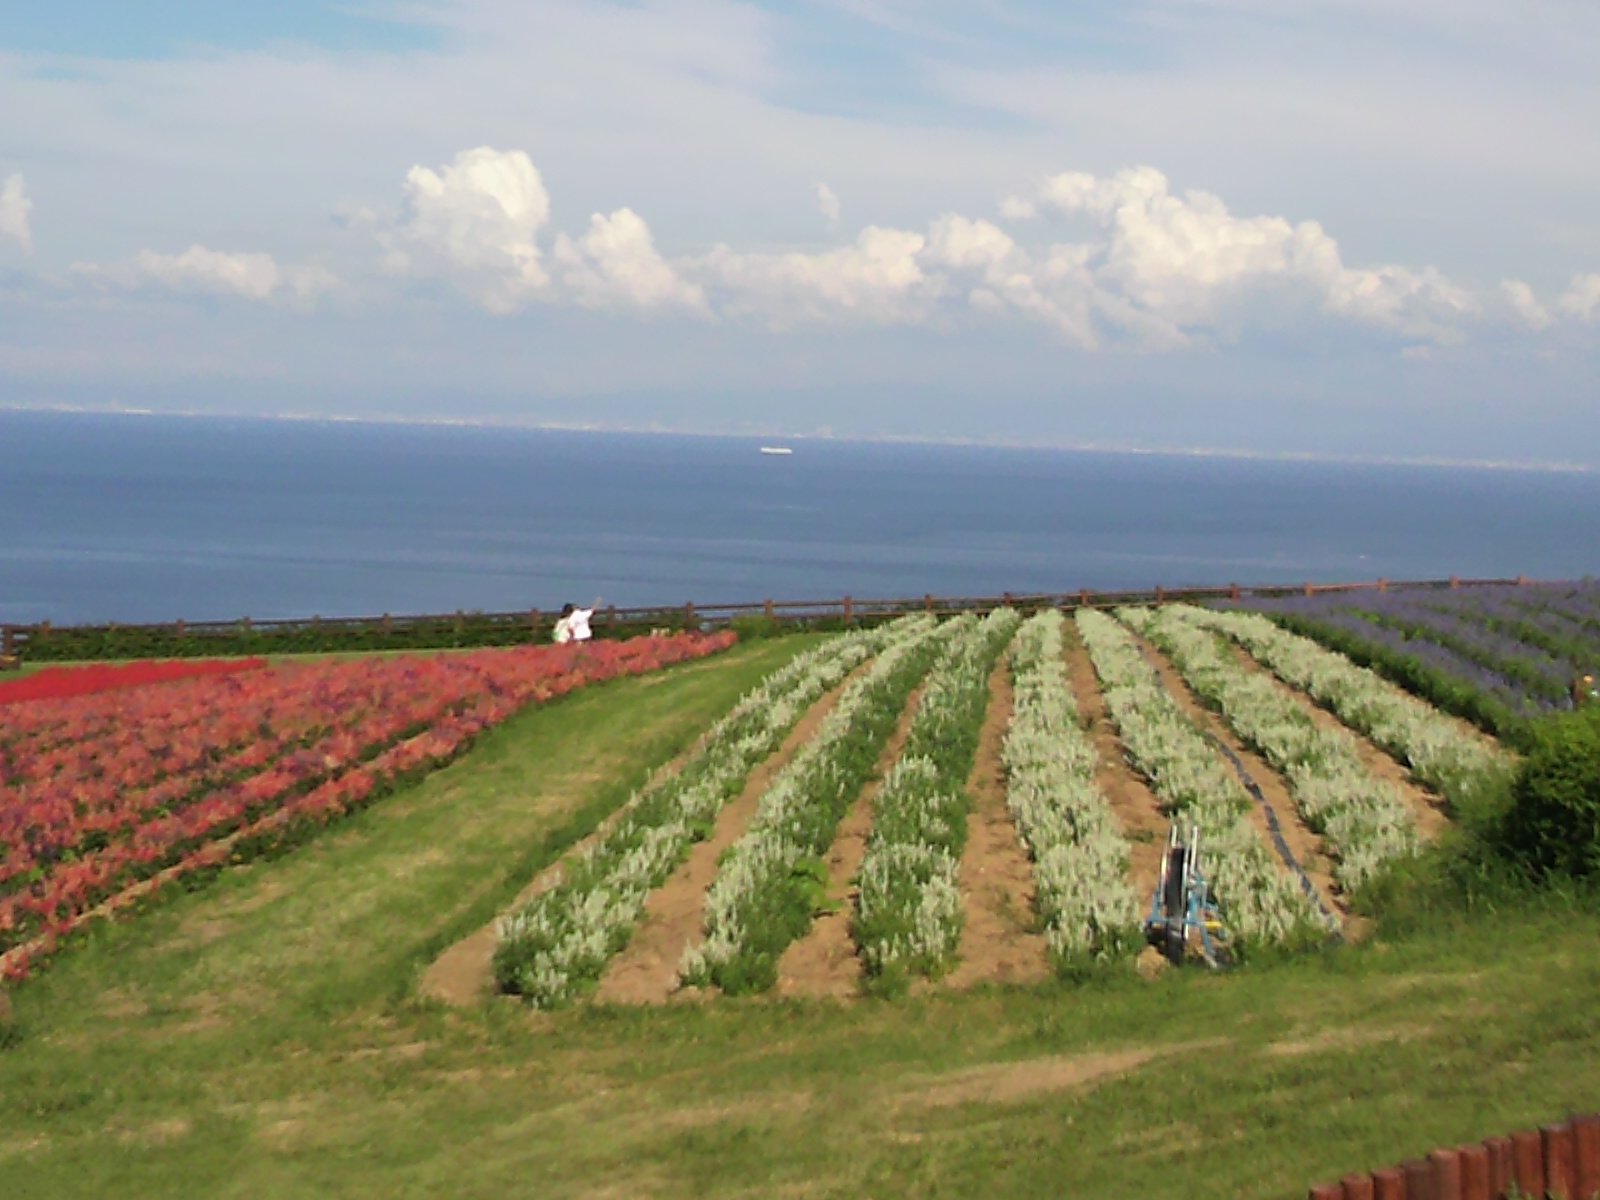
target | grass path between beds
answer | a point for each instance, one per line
(263, 1037)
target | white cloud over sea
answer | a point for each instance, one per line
(1149, 268)
(1336, 198)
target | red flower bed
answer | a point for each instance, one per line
(102, 796)
(55, 683)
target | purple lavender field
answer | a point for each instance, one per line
(1519, 645)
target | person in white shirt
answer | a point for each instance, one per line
(574, 623)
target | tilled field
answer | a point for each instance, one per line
(985, 801)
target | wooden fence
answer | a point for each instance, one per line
(1560, 1161)
(534, 624)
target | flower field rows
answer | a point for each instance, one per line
(909, 912)
(101, 792)
(1258, 900)
(771, 880)
(1454, 762)
(562, 939)
(1080, 859)
(1518, 646)
(58, 683)
(1363, 819)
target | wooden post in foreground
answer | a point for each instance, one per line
(849, 609)
(766, 609)
(1308, 587)
(927, 604)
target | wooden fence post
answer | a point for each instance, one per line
(1308, 587)
(1161, 594)
(178, 628)
(1383, 584)
(1006, 599)
(533, 621)
(1233, 591)
(611, 617)
(1083, 597)
(1500, 1169)
(1586, 1154)
(1356, 1187)
(927, 604)
(1418, 1174)
(1527, 1162)
(1446, 1166)
(1522, 580)
(1475, 1173)
(849, 609)
(1389, 1184)
(688, 615)
(1455, 581)
(1558, 1163)
(461, 621)
(386, 625)
(766, 609)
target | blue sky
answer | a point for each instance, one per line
(1309, 225)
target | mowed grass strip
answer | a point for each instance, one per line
(261, 1038)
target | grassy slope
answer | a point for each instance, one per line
(260, 1038)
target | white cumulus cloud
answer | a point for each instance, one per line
(616, 265)
(878, 278)
(198, 269)
(14, 209)
(1525, 304)
(1169, 265)
(475, 220)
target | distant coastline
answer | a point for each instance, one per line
(777, 434)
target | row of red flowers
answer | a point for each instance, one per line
(55, 683)
(100, 792)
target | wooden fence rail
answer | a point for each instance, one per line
(1561, 1161)
(532, 624)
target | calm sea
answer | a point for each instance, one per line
(139, 518)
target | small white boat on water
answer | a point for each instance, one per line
(776, 450)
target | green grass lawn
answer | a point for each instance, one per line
(262, 1037)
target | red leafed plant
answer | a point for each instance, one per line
(108, 794)
(55, 683)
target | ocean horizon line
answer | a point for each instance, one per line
(827, 435)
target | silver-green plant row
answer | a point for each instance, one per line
(773, 880)
(560, 941)
(909, 914)
(1363, 819)
(1456, 762)
(1080, 860)
(1259, 901)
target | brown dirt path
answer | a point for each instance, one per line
(998, 941)
(1135, 806)
(1303, 844)
(1427, 806)
(464, 973)
(646, 972)
(824, 962)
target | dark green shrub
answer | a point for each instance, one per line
(750, 626)
(1554, 821)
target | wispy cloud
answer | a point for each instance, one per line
(14, 209)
